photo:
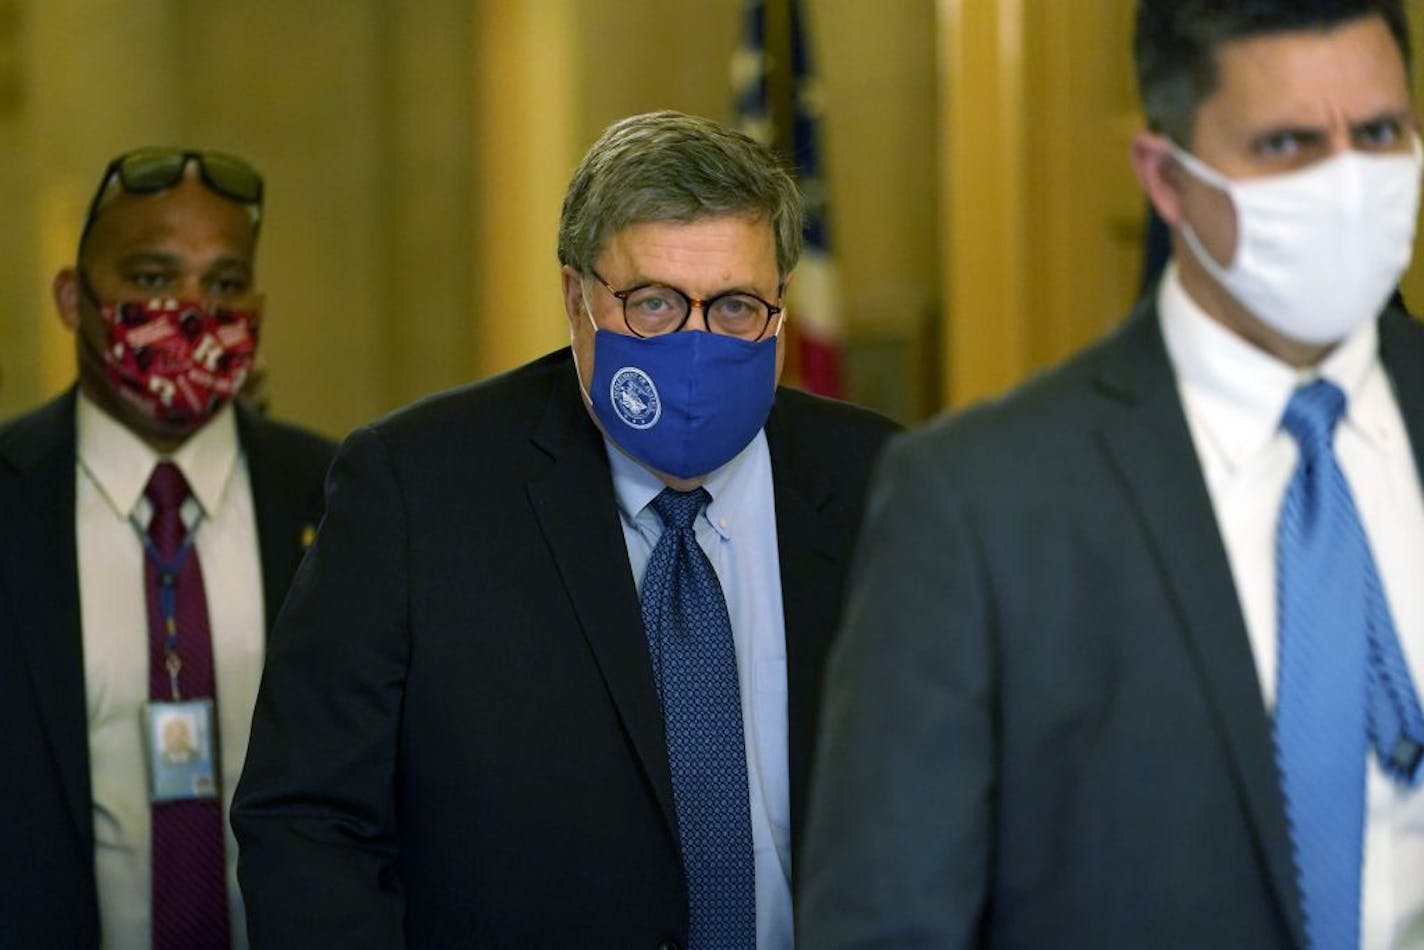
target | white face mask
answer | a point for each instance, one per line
(1318, 251)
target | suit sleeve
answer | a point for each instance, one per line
(900, 820)
(314, 812)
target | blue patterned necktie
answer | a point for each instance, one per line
(695, 669)
(1342, 684)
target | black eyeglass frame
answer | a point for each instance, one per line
(704, 305)
(126, 167)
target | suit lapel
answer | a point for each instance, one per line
(577, 512)
(286, 522)
(41, 581)
(810, 593)
(1149, 445)
(1402, 351)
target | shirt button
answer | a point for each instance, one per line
(723, 523)
(668, 945)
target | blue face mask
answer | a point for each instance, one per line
(683, 403)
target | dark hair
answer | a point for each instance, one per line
(1177, 41)
(666, 166)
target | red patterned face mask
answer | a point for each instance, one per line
(177, 360)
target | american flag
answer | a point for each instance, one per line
(815, 322)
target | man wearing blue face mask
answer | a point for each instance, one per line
(1132, 657)
(549, 678)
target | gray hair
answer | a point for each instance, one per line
(666, 166)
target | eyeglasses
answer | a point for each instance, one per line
(150, 170)
(656, 309)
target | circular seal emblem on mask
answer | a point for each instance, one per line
(635, 398)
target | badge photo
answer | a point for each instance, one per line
(178, 738)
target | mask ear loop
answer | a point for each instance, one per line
(1199, 169)
(86, 288)
(87, 291)
(1207, 175)
(781, 315)
(587, 312)
(780, 324)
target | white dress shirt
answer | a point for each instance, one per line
(737, 531)
(1235, 395)
(113, 467)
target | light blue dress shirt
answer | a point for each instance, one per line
(738, 533)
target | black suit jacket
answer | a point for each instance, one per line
(47, 890)
(458, 741)
(1043, 722)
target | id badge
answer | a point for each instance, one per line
(178, 738)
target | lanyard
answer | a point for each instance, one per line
(168, 596)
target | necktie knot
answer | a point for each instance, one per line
(1311, 416)
(167, 489)
(679, 509)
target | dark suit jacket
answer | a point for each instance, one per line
(458, 741)
(1043, 722)
(47, 891)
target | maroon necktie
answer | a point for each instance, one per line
(189, 872)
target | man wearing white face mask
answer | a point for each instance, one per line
(1131, 657)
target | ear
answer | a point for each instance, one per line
(573, 296)
(1158, 173)
(67, 297)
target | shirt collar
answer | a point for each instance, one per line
(1238, 392)
(635, 487)
(121, 463)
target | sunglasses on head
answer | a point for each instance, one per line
(150, 170)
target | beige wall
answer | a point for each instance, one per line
(985, 219)
(416, 155)
(1414, 280)
(367, 245)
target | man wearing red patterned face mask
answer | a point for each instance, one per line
(152, 526)
(162, 300)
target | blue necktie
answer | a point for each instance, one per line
(1342, 680)
(695, 669)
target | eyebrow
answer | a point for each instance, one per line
(1402, 116)
(173, 261)
(226, 262)
(645, 281)
(1306, 132)
(136, 258)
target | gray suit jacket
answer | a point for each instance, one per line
(1043, 724)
